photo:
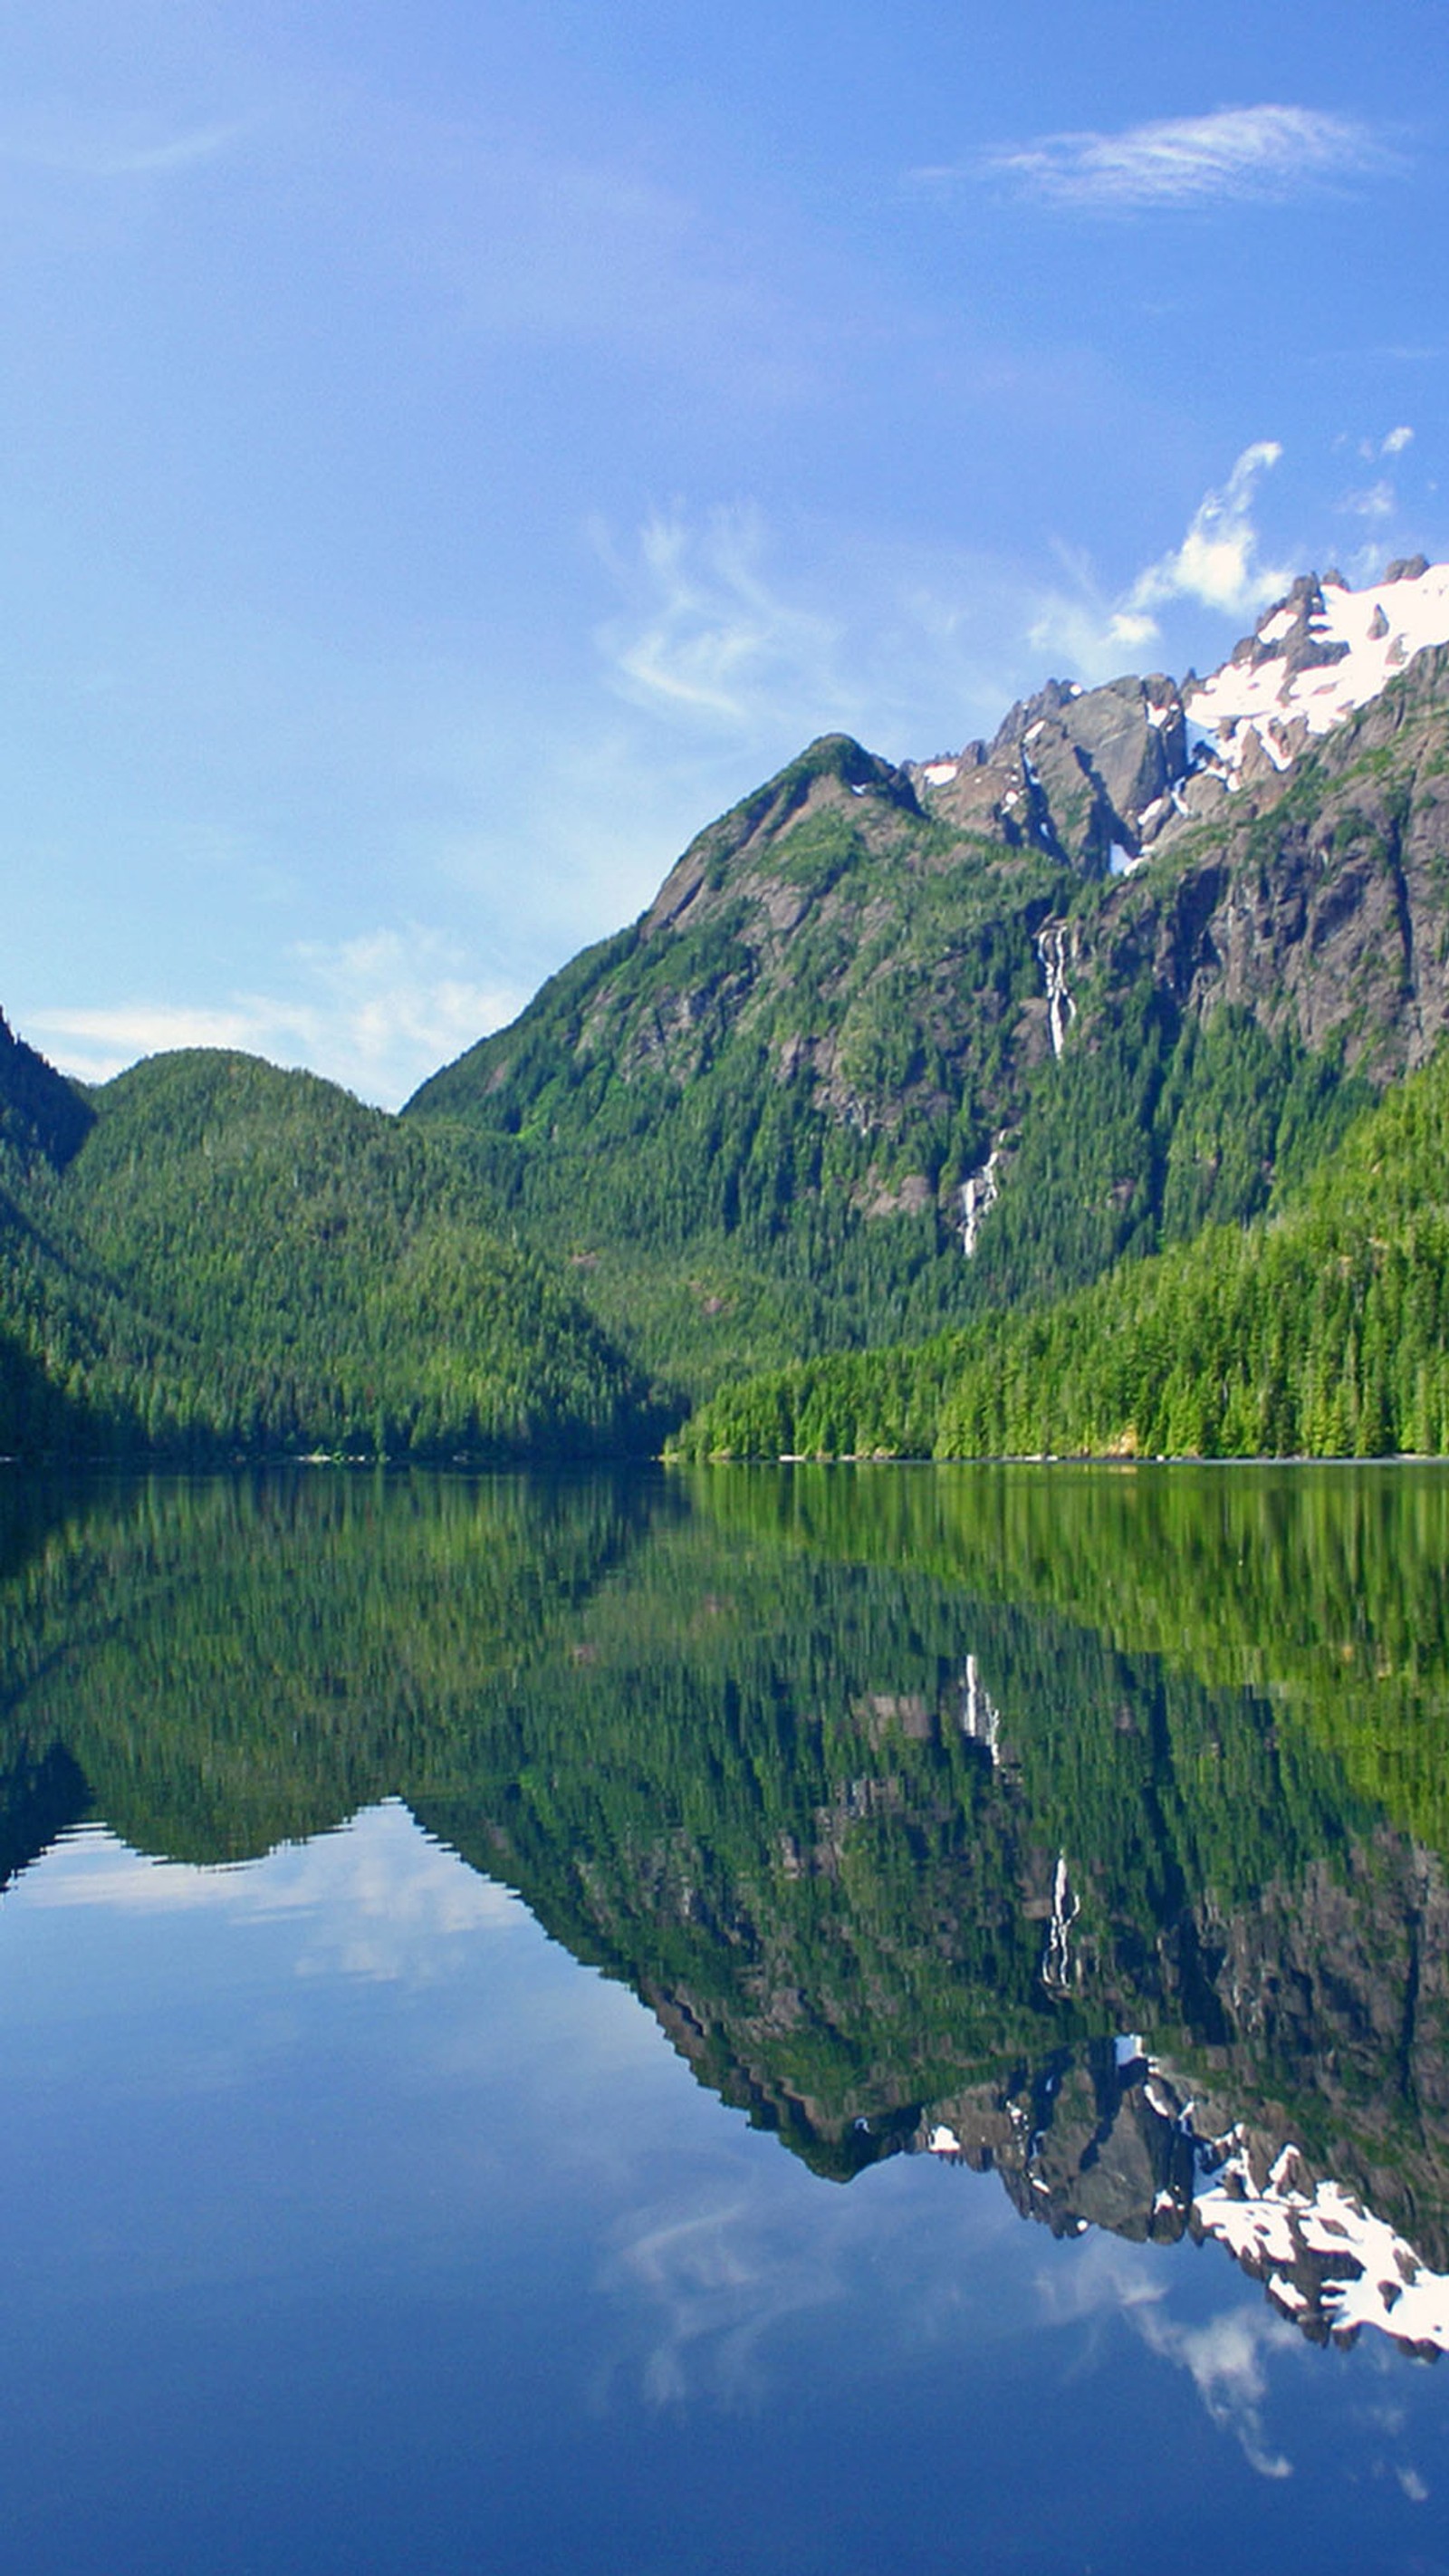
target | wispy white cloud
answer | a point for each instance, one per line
(1224, 2357)
(1252, 153)
(82, 146)
(94, 1044)
(378, 1013)
(1084, 632)
(393, 1005)
(1378, 502)
(734, 661)
(1217, 561)
(703, 634)
(1218, 565)
(1391, 442)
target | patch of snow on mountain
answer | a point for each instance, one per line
(1373, 633)
(1277, 626)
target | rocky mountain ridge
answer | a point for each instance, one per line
(1101, 776)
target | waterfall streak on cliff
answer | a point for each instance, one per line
(979, 1194)
(1051, 948)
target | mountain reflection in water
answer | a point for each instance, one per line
(1088, 1826)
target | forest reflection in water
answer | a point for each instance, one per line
(1085, 1825)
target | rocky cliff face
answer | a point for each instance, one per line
(1102, 776)
(1087, 775)
(1318, 900)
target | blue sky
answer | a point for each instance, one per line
(452, 451)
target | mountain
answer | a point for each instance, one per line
(896, 1045)
(895, 1051)
(208, 1256)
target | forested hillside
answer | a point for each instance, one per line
(886, 1054)
(209, 1256)
(1323, 1331)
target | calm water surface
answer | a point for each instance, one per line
(778, 2021)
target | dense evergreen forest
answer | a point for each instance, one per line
(1323, 1331)
(209, 1257)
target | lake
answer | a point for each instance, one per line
(760, 2020)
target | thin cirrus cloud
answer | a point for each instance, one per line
(1225, 2356)
(704, 635)
(879, 635)
(1376, 504)
(1233, 154)
(72, 145)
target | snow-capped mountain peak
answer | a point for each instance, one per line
(1102, 777)
(1315, 657)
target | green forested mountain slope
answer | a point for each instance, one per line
(882, 1057)
(211, 1255)
(1324, 1330)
